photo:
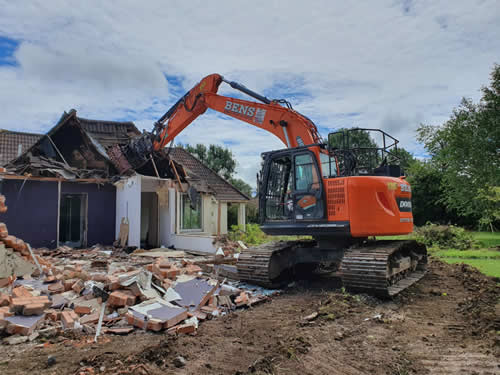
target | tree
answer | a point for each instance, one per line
(218, 158)
(406, 159)
(466, 151)
(357, 138)
(426, 182)
(242, 186)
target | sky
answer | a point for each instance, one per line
(376, 64)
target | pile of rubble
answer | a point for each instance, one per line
(104, 291)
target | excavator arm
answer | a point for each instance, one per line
(292, 128)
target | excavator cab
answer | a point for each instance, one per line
(305, 190)
(293, 191)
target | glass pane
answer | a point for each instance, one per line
(328, 166)
(191, 216)
(306, 177)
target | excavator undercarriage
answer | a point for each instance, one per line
(382, 268)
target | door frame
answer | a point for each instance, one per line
(317, 193)
(84, 225)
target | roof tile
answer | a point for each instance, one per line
(10, 141)
(223, 189)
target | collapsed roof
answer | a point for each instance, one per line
(79, 148)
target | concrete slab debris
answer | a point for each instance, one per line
(12, 264)
(194, 293)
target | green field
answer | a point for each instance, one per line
(487, 239)
(486, 258)
(490, 267)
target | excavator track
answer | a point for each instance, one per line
(262, 265)
(383, 268)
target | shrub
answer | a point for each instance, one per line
(253, 235)
(444, 237)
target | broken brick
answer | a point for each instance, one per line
(33, 309)
(5, 310)
(198, 314)
(20, 303)
(212, 301)
(56, 287)
(192, 269)
(209, 310)
(100, 277)
(113, 283)
(121, 298)
(90, 318)
(82, 310)
(186, 328)
(78, 286)
(68, 283)
(9, 241)
(19, 245)
(6, 281)
(69, 318)
(242, 299)
(5, 299)
(50, 279)
(53, 314)
(3, 230)
(21, 291)
(119, 330)
(155, 325)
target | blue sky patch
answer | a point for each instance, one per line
(175, 85)
(7, 48)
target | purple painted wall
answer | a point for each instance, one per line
(101, 210)
(32, 211)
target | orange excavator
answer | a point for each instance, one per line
(341, 191)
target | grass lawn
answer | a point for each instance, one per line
(468, 254)
(486, 259)
(490, 267)
(487, 239)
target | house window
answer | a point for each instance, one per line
(190, 213)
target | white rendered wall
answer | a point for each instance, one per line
(128, 204)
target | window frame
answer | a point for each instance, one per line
(330, 165)
(314, 167)
(183, 196)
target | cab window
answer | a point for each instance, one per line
(328, 166)
(306, 177)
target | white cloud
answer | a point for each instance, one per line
(389, 64)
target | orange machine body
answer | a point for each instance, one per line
(371, 204)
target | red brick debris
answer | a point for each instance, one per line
(172, 292)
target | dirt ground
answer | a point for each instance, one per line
(446, 324)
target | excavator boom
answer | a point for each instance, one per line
(292, 128)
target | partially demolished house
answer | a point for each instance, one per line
(66, 190)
